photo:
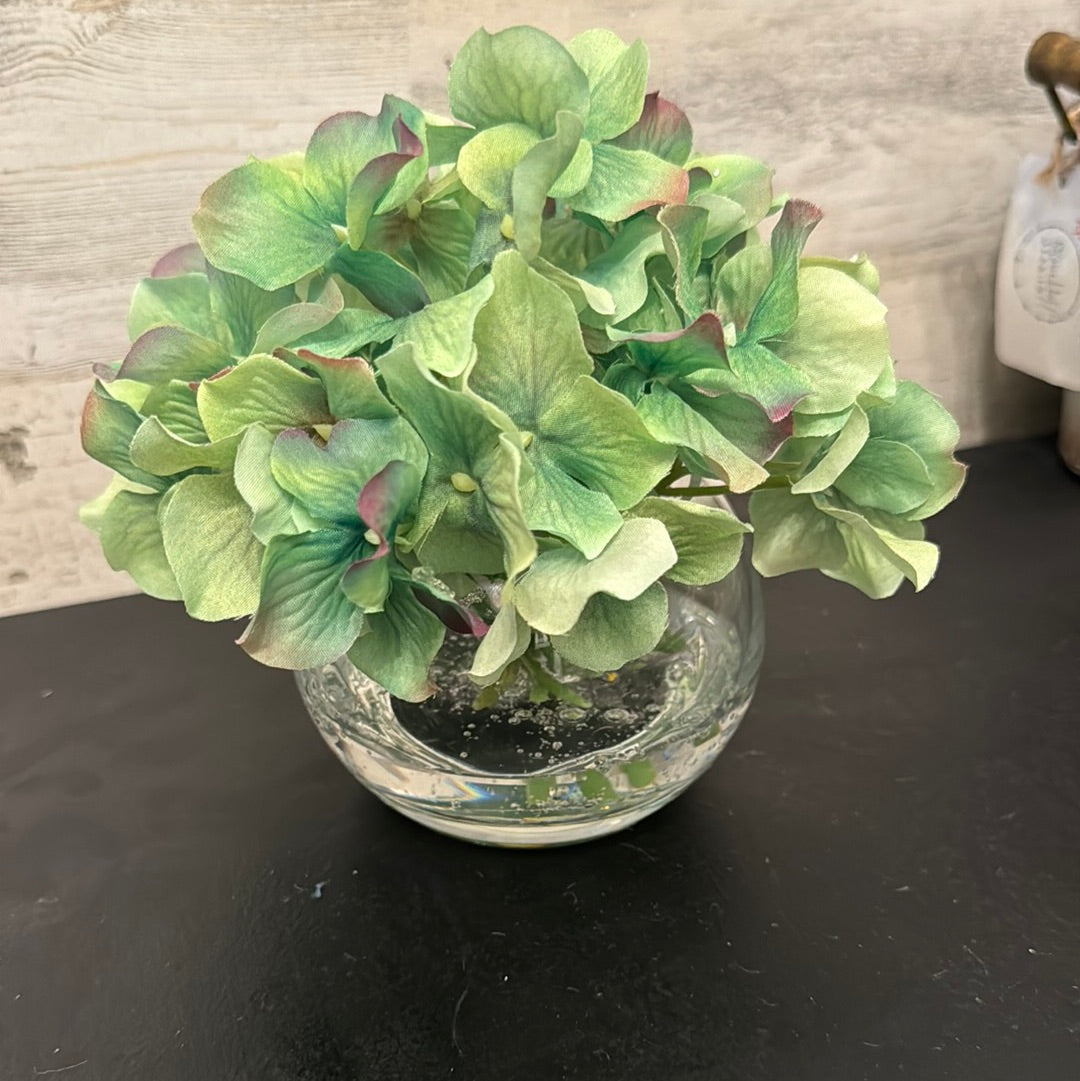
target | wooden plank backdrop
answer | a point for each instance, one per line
(905, 121)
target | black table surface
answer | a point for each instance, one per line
(880, 878)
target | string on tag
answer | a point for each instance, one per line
(1063, 162)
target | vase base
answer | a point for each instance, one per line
(521, 833)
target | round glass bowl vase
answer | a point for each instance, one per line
(527, 774)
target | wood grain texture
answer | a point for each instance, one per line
(904, 123)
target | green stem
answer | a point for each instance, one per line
(690, 491)
(438, 189)
(677, 470)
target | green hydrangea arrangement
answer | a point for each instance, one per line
(432, 375)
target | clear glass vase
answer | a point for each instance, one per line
(526, 774)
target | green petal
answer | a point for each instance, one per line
(165, 353)
(260, 222)
(708, 539)
(180, 301)
(674, 421)
(399, 645)
(462, 440)
(741, 179)
(841, 452)
(297, 321)
(487, 162)
(887, 476)
(626, 181)
(582, 294)
(391, 287)
(556, 503)
(621, 269)
(536, 174)
(441, 241)
(107, 429)
(445, 142)
(617, 73)
(532, 365)
(343, 145)
(375, 184)
(791, 534)
(839, 339)
(261, 390)
(897, 541)
(684, 232)
(366, 583)
(442, 333)
(857, 267)
(327, 480)
(349, 382)
(242, 308)
(174, 404)
(157, 450)
(592, 432)
(346, 334)
(662, 129)
(205, 526)
(275, 511)
(740, 281)
(611, 632)
(304, 620)
(506, 640)
(778, 307)
(520, 75)
(726, 220)
(551, 596)
(131, 541)
(868, 549)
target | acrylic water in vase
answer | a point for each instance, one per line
(446, 409)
